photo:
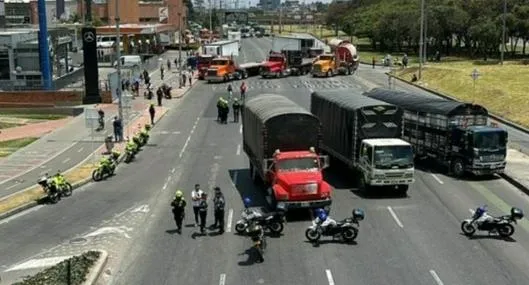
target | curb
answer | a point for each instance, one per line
(75, 185)
(97, 268)
(515, 183)
(188, 89)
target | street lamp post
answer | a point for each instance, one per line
(503, 31)
(421, 40)
(118, 59)
(180, 48)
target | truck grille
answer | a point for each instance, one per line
(316, 68)
(212, 72)
(395, 174)
(492, 157)
(305, 189)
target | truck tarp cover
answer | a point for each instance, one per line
(344, 113)
(287, 126)
(417, 103)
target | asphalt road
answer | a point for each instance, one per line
(412, 240)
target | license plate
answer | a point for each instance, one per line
(305, 204)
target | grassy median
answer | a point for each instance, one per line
(10, 146)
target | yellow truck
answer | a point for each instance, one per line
(343, 60)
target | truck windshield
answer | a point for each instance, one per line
(490, 140)
(204, 59)
(275, 59)
(326, 57)
(298, 164)
(393, 156)
(219, 62)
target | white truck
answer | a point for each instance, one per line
(364, 134)
(235, 36)
(222, 48)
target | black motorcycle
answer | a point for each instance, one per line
(347, 229)
(272, 221)
(54, 192)
(500, 225)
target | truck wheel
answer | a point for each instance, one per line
(403, 190)
(458, 167)
(329, 73)
(280, 74)
(349, 71)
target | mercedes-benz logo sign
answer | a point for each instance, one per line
(89, 37)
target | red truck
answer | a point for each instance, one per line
(281, 140)
(203, 63)
(285, 63)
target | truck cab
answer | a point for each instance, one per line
(325, 65)
(386, 162)
(480, 150)
(203, 63)
(296, 179)
(275, 65)
(221, 69)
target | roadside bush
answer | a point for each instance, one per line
(72, 271)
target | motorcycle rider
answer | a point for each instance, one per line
(106, 163)
(179, 205)
(131, 146)
(144, 132)
(219, 203)
(58, 180)
(323, 219)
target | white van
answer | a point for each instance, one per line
(128, 61)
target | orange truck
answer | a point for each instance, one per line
(223, 67)
(343, 60)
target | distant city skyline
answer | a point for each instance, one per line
(253, 3)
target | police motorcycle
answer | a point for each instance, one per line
(256, 233)
(482, 221)
(272, 221)
(131, 149)
(107, 167)
(347, 229)
(55, 187)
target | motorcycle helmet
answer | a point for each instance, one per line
(480, 211)
(247, 202)
(322, 216)
(318, 211)
(179, 194)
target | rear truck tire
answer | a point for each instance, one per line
(350, 234)
(244, 75)
(458, 168)
(312, 235)
(467, 228)
(348, 71)
(276, 228)
(68, 189)
(280, 74)
(225, 78)
(96, 175)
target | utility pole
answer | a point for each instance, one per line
(180, 48)
(210, 18)
(503, 31)
(425, 46)
(118, 66)
(280, 17)
(421, 40)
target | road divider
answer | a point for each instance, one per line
(395, 217)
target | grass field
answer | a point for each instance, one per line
(5, 125)
(34, 116)
(8, 147)
(501, 89)
(313, 29)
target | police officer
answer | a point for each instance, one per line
(179, 205)
(203, 212)
(236, 107)
(219, 203)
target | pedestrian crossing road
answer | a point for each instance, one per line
(293, 83)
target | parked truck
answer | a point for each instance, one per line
(455, 134)
(281, 140)
(343, 60)
(235, 36)
(225, 68)
(285, 63)
(364, 134)
(203, 63)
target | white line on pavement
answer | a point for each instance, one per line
(12, 186)
(329, 276)
(436, 277)
(66, 160)
(240, 129)
(395, 217)
(222, 279)
(230, 218)
(165, 186)
(173, 170)
(38, 263)
(239, 149)
(437, 178)
(189, 138)
(81, 149)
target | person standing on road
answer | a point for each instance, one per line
(152, 112)
(184, 78)
(203, 211)
(190, 78)
(159, 96)
(168, 64)
(196, 195)
(161, 72)
(236, 107)
(179, 205)
(219, 203)
(243, 90)
(115, 124)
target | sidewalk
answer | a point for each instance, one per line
(66, 147)
(34, 130)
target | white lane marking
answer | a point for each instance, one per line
(239, 149)
(110, 230)
(39, 263)
(81, 149)
(230, 218)
(395, 217)
(12, 186)
(329, 276)
(173, 170)
(437, 178)
(436, 277)
(23, 213)
(176, 133)
(189, 138)
(141, 209)
(240, 129)
(165, 186)
(66, 160)
(222, 279)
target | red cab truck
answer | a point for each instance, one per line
(281, 140)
